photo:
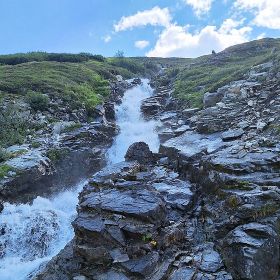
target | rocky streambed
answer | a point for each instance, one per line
(204, 206)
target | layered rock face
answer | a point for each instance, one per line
(231, 150)
(136, 221)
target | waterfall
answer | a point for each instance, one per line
(133, 128)
(31, 234)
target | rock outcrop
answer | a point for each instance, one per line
(140, 152)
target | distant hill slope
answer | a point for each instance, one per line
(208, 73)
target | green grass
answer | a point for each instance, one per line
(73, 83)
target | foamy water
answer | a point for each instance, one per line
(31, 234)
(133, 128)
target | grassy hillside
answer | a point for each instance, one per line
(54, 81)
(61, 76)
(208, 73)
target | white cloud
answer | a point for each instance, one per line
(261, 36)
(176, 40)
(200, 7)
(141, 44)
(267, 12)
(107, 39)
(156, 17)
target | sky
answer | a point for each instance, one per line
(161, 28)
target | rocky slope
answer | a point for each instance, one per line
(205, 207)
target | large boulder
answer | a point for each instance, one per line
(151, 106)
(109, 111)
(212, 98)
(140, 152)
(251, 251)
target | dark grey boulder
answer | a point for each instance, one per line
(140, 152)
(143, 266)
(136, 81)
(151, 106)
(124, 170)
(251, 251)
(211, 99)
(109, 111)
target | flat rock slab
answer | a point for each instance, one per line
(190, 144)
(247, 162)
(124, 170)
(232, 134)
(143, 266)
(176, 193)
(141, 204)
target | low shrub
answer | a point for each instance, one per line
(4, 155)
(37, 101)
(14, 126)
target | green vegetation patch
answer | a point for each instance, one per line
(14, 126)
(72, 127)
(56, 154)
(4, 170)
(37, 100)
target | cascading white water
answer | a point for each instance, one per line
(133, 128)
(32, 234)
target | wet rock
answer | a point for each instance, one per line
(183, 273)
(210, 260)
(119, 78)
(190, 145)
(151, 107)
(136, 81)
(109, 111)
(142, 267)
(140, 204)
(112, 275)
(176, 193)
(261, 125)
(80, 277)
(251, 251)
(140, 152)
(165, 135)
(232, 134)
(187, 113)
(126, 170)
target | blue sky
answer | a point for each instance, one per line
(186, 28)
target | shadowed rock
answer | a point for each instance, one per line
(251, 251)
(140, 152)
